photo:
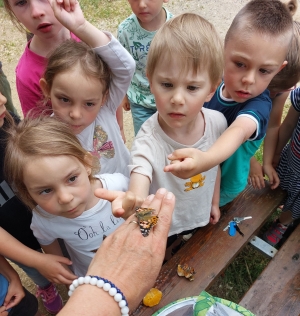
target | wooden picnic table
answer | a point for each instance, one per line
(211, 249)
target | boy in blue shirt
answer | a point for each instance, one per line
(256, 45)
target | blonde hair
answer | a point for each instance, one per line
(40, 137)
(290, 74)
(195, 43)
(71, 53)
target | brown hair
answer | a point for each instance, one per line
(290, 74)
(192, 39)
(268, 17)
(71, 53)
(40, 137)
(12, 16)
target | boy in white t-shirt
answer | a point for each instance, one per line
(184, 69)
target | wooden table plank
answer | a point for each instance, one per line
(277, 290)
(211, 249)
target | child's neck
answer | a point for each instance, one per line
(43, 47)
(186, 135)
(95, 184)
(156, 23)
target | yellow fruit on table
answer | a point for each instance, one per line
(152, 298)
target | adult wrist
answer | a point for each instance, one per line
(106, 286)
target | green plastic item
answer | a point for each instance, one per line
(205, 301)
(198, 306)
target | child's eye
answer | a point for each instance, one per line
(64, 100)
(46, 191)
(264, 71)
(192, 88)
(72, 179)
(167, 84)
(21, 3)
(239, 65)
(90, 104)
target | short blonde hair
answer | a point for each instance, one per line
(40, 137)
(193, 40)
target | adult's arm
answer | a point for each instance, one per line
(127, 259)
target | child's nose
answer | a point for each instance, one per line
(249, 77)
(36, 8)
(64, 197)
(143, 4)
(177, 97)
(75, 112)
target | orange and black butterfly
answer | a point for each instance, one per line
(146, 219)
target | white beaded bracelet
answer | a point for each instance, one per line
(107, 286)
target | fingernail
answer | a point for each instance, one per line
(150, 197)
(162, 191)
(169, 196)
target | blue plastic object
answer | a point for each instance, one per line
(232, 228)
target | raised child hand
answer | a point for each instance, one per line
(123, 204)
(68, 13)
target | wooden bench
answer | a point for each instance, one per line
(277, 289)
(211, 249)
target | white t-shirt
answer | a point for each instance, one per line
(82, 235)
(193, 196)
(103, 138)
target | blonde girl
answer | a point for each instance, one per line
(57, 178)
(86, 86)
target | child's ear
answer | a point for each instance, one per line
(88, 159)
(105, 96)
(282, 66)
(212, 92)
(45, 87)
(150, 82)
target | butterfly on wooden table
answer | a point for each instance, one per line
(146, 219)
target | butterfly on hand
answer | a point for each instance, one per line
(146, 219)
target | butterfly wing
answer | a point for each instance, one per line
(146, 219)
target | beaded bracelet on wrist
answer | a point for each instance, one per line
(107, 286)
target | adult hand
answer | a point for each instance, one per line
(127, 259)
(132, 261)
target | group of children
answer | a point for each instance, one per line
(200, 112)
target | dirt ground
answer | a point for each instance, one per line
(219, 12)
